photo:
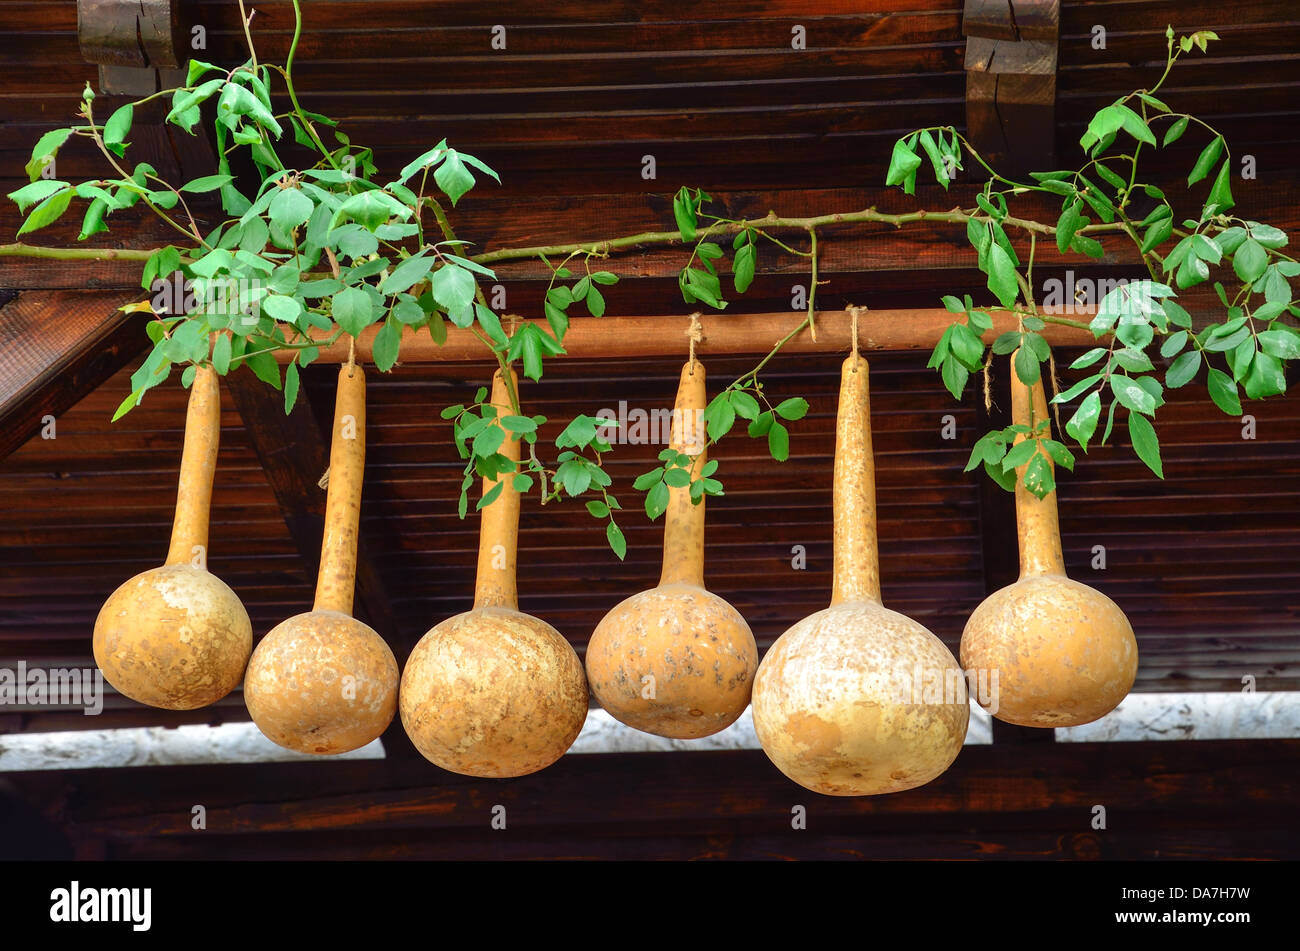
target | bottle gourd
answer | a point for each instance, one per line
(676, 660)
(836, 706)
(323, 682)
(177, 637)
(494, 692)
(1064, 653)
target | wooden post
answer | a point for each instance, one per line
(1011, 56)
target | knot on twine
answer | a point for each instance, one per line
(512, 322)
(695, 334)
(854, 311)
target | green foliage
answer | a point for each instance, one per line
(313, 247)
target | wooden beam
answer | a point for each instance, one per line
(54, 349)
(1011, 64)
(589, 804)
(727, 333)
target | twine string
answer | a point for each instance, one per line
(695, 334)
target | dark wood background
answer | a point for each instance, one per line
(1203, 562)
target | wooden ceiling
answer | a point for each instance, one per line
(1203, 562)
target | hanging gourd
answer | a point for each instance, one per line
(177, 637)
(856, 699)
(494, 692)
(676, 660)
(1064, 653)
(323, 682)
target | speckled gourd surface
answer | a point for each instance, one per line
(836, 701)
(494, 692)
(676, 660)
(323, 682)
(1063, 652)
(177, 637)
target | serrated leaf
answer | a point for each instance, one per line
(1223, 391)
(1205, 161)
(1145, 443)
(1083, 423)
(778, 442)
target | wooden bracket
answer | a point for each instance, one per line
(139, 45)
(1011, 61)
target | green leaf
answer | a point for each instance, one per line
(116, 129)
(290, 386)
(1157, 234)
(1174, 343)
(1267, 235)
(353, 310)
(1027, 368)
(1019, 454)
(1249, 261)
(1002, 276)
(1079, 387)
(684, 214)
(47, 211)
(221, 354)
(1183, 370)
(903, 164)
(1221, 193)
(280, 308)
(743, 267)
(1145, 443)
(453, 288)
(490, 495)
(453, 177)
(386, 344)
(1039, 478)
(792, 409)
(1132, 396)
(1089, 358)
(1209, 155)
(598, 509)
(595, 302)
(1066, 226)
(747, 407)
(38, 190)
(46, 148)
(656, 500)
(1283, 344)
(1083, 423)
(954, 376)
(1224, 392)
(617, 543)
(265, 368)
(778, 442)
(936, 159)
(371, 209)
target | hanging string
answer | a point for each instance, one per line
(352, 355)
(1056, 389)
(512, 322)
(988, 382)
(854, 311)
(695, 334)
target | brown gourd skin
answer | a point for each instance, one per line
(695, 646)
(835, 704)
(494, 692)
(323, 682)
(1064, 653)
(177, 637)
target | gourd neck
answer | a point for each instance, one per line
(498, 542)
(683, 519)
(189, 540)
(857, 567)
(336, 580)
(1037, 524)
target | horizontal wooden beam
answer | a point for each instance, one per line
(591, 803)
(728, 334)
